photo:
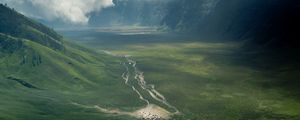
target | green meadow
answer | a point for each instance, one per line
(206, 80)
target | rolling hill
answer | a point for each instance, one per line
(43, 75)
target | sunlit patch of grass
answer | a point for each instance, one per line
(175, 52)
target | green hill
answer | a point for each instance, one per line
(15, 24)
(42, 75)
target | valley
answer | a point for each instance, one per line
(149, 60)
(202, 79)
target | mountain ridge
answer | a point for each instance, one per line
(17, 25)
(269, 24)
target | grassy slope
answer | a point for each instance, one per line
(15, 24)
(62, 77)
(41, 74)
(208, 80)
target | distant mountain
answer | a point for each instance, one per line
(130, 12)
(269, 23)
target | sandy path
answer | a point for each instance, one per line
(139, 76)
(150, 111)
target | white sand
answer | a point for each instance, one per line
(152, 112)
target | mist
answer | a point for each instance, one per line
(68, 11)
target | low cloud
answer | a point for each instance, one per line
(69, 11)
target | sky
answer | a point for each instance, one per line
(69, 11)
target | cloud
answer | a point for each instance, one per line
(69, 11)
